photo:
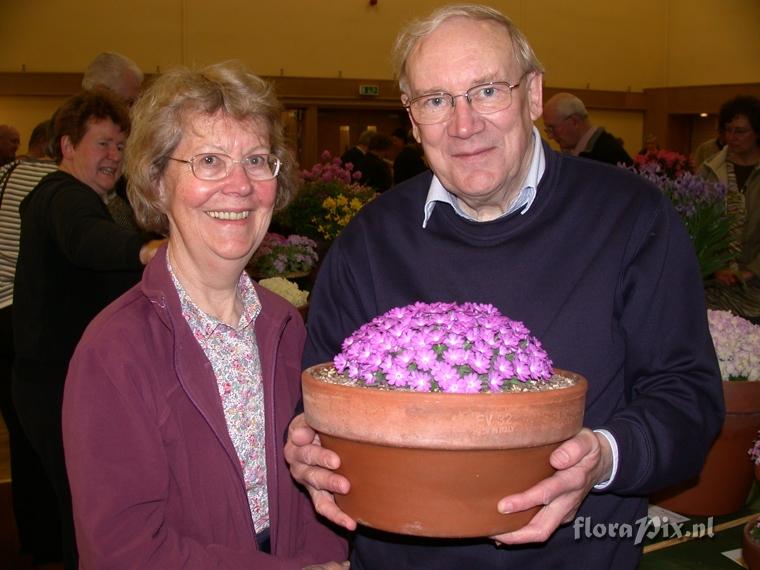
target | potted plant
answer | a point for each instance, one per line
(329, 196)
(737, 345)
(751, 544)
(700, 204)
(437, 411)
(277, 255)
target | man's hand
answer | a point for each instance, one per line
(581, 463)
(312, 465)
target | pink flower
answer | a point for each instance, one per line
(443, 347)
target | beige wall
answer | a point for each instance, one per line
(605, 45)
(596, 44)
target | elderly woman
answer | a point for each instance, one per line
(73, 260)
(737, 165)
(179, 395)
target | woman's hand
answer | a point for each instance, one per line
(329, 566)
(581, 462)
(312, 465)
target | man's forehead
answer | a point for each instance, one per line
(461, 51)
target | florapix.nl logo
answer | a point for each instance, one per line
(659, 527)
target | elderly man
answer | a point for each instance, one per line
(115, 72)
(592, 259)
(10, 139)
(566, 121)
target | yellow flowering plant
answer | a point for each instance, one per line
(338, 212)
(328, 198)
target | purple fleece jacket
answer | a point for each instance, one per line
(155, 479)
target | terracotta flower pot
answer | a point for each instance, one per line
(750, 547)
(433, 464)
(726, 478)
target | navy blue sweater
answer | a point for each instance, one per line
(602, 271)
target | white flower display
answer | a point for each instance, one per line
(737, 344)
(286, 289)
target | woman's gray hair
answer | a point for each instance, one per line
(162, 113)
(420, 29)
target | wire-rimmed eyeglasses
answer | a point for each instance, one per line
(215, 165)
(485, 98)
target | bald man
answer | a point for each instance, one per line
(566, 121)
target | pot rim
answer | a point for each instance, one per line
(444, 421)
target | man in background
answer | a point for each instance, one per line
(376, 168)
(566, 121)
(10, 139)
(408, 161)
(355, 155)
(115, 72)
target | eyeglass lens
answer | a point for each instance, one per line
(214, 166)
(438, 107)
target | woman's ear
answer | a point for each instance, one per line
(67, 147)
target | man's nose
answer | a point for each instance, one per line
(464, 120)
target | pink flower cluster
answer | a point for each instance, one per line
(277, 255)
(664, 162)
(331, 170)
(443, 347)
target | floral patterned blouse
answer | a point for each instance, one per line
(234, 356)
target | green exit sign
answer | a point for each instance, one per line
(371, 90)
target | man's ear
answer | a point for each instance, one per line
(415, 128)
(535, 89)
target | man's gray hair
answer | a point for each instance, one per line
(420, 29)
(568, 105)
(107, 70)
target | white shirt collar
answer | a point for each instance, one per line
(524, 200)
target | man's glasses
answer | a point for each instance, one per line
(485, 98)
(215, 166)
(550, 128)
